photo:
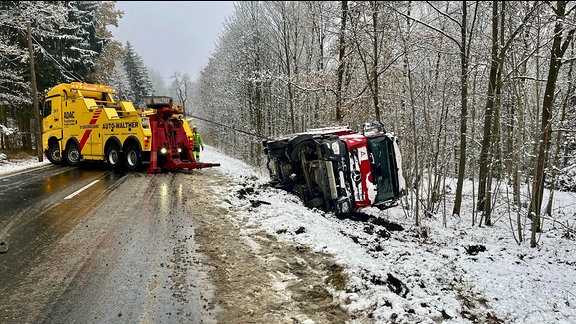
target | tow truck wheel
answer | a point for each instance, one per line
(113, 156)
(72, 155)
(53, 154)
(132, 158)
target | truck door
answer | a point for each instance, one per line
(52, 114)
(90, 139)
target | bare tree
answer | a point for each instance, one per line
(181, 90)
(563, 37)
(500, 47)
(285, 66)
(464, 62)
(341, 57)
(464, 47)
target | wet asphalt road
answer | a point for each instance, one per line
(98, 246)
(39, 206)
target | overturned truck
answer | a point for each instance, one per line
(337, 169)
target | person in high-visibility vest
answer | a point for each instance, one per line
(197, 143)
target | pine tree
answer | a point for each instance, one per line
(69, 51)
(112, 51)
(119, 80)
(67, 37)
(85, 45)
(15, 16)
(15, 19)
(140, 83)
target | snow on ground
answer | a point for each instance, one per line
(437, 279)
(458, 273)
(8, 165)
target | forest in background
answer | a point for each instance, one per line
(475, 90)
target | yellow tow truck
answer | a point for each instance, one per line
(83, 122)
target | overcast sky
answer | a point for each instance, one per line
(172, 36)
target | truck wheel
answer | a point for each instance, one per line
(132, 158)
(113, 156)
(307, 146)
(72, 155)
(53, 154)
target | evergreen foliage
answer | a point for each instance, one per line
(137, 74)
(67, 38)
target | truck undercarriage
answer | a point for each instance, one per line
(336, 169)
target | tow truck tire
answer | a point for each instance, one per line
(72, 154)
(113, 157)
(132, 158)
(53, 154)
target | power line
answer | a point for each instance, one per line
(71, 74)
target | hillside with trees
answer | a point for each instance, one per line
(475, 90)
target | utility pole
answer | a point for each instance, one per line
(35, 97)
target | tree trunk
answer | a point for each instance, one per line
(341, 53)
(2, 122)
(463, 112)
(485, 156)
(558, 49)
(288, 61)
(375, 53)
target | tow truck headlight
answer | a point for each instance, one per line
(179, 150)
(163, 150)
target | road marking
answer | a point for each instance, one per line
(81, 189)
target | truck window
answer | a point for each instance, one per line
(47, 109)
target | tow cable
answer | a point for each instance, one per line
(230, 127)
